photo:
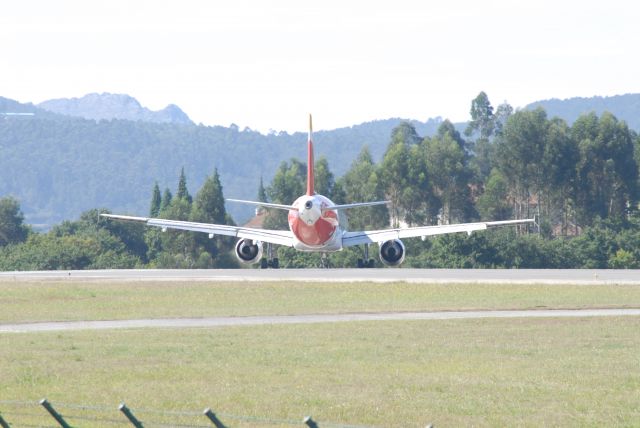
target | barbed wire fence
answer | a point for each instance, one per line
(45, 414)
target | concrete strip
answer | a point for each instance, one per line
(305, 319)
(513, 276)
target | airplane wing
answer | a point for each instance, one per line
(377, 236)
(279, 237)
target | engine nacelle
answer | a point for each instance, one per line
(248, 252)
(392, 252)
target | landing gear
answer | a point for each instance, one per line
(366, 262)
(324, 261)
(269, 261)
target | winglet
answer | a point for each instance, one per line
(310, 174)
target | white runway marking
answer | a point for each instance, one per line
(305, 319)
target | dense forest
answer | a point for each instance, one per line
(581, 180)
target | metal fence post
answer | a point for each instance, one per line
(3, 423)
(53, 413)
(125, 410)
(310, 422)
(213, 418)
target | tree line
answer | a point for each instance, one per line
(580, 180)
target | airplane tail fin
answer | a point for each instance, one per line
(310, 174)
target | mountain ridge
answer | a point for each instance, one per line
(108, 106)
(625, 107)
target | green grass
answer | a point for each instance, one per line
(71, 300)
(490, 372)
(522, 372)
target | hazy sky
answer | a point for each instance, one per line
(266, 64)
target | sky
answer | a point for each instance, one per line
(266, 65)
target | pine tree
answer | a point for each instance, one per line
(262, 193)
(183, 192)
(166, 200)
(208, 206)
(156, 201)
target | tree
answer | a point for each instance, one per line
(183, 192)
(560, 159)
(361, 183)
(323, 178)
(503, 112)
(607, 173)
(166, 200)
(208, 206)
(449, 175)
(493, 203)
(262, 193)
(156, 201)
(398, 187)
(482, 119)
(519, 157)
(405, 133)
(178, 248)
(12, 227)
(287, 185)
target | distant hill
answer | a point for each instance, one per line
(59, 166)
(624, 107)
(113, 106)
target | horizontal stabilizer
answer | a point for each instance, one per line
(126, 217)
(265, 204)
(357, 205)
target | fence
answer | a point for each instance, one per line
(15, 414)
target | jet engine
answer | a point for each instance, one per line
(392, 252)
(248, 252)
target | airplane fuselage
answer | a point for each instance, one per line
(314, 227)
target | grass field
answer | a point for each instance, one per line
(490, 372)
(62, 300)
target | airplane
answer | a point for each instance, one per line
(316, 224)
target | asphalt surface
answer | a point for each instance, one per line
(517, 276)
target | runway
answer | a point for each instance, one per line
(305, 319)
(516, 276)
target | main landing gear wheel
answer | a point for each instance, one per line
(269, 261)
(273, 263)
(324, 261)
(366, 262)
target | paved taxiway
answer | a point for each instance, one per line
(306, 319)
(517, 276)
